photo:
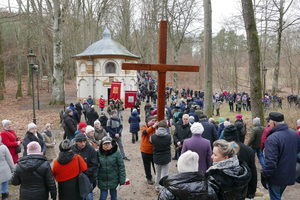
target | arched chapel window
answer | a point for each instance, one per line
(110, 68)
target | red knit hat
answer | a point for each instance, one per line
(81, 125)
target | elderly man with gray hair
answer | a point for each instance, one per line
(281, 149)
(199, 145)
(255, 140)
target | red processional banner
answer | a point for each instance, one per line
(115, 90)
(130, 98)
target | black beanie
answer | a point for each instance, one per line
(71, 105)
(180, 115)
(65, 145)
(230, 131)
(80, 137)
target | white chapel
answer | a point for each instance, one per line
(100, 64)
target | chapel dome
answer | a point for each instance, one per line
(106, 47)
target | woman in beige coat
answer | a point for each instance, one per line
(7, 167)
(49, 140)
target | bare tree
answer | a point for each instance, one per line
(208, 58)
(254, 60)
(2, 86)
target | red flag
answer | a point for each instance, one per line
(130, 98)
(115, 90)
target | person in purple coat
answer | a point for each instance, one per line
(199, 145)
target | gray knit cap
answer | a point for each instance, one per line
(256, 120)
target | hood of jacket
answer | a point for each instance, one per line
(281, 127)
(103, 117)
(111, 151)
(31, 162)
(185, 185)
(161, 131)
(134, 113)
(65, 157)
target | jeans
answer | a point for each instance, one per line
(101, 109)
(70, 137)
(260, 156)
(245, 107)
(90, 195)
(147, 161)
(275, 191)
(104, 193)
(161, 171)
(120, 144)
(4, 187)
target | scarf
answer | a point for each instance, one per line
(224, 164)
(48, 133)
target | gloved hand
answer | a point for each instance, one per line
(250, 196)
(264, 182)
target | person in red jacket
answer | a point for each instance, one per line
(101, 103)
(264, 135)
(10, 139)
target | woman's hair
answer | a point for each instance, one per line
(229, 149)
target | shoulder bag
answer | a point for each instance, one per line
(18, 148)
(84, 183)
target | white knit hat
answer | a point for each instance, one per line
(97, 121)
(88, 129)
(197, 128)
(30, 126)
(188, 162)
(5, 121)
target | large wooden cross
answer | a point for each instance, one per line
(162, 69)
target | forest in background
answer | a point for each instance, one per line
(30, 24)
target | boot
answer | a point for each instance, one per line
(5, 195)
(137, 137)
(133, 141)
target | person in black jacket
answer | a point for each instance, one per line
(228, 176)
(103, 120)
(33, 135)
(88, 153)
(34, 174)
(245, 154)
(69, 124)
(210, 132)
(189, 183)
(182, 132)
(76, 115)
(78, 107)
(92, 116)
(161, 141)
(240, 125)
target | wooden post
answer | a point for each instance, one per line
(162, 59)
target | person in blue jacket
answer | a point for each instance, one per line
(90, 100)
(134, 121)
(281, 149)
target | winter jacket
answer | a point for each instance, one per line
(100, 133)
(92, 116)
(6, 163)
(101, 103)
(112, 170)
(50, 149)
(34, 174)
(65, 171)
(78, 107)
(220, 129)
(161, 142)
(85, 107)
(181, 133)
(182, 107)
(245, 154)
(76, 115)
(70, 125)
(89, 155)
(109, 109)
(10, 141)
(192, 113)
(186, 186)
(202, 147)
(255, 138)
(264, 137)
(229, 179)
(282, 146)
(134, 121)
(90, 101)
(146, 146)
(209, 132)
(103, 120)
(239, 125)
(114, 126)
(29, 137)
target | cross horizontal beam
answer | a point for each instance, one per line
(159, 67)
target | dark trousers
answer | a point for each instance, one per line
(231, 107)
(148, 161)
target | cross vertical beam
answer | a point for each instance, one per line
(162, 59)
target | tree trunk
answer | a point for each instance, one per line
(57, 97)
(2, 86)
(208, 58)
(254, 60)
(175, 75)
(28, 49)
(278, 50)
(19, 67)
